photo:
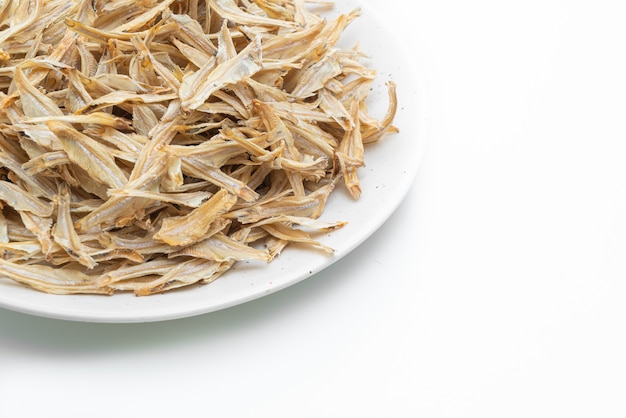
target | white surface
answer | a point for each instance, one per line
(496, 290)
(391, 167)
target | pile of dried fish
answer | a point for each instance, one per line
(148, 145)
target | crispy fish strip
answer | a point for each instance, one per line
(350, 155)
(145, 17)
(119, 97)
(40, 227)
(142, 245)
(219, 247)
(88, 154)
(228, 9)
(311, 205)
(96, 118)
(278, 128)
(21, 200)
(190, 228)
(374, 134)
(40, 187)
(197, 87)
(153, 267)
(19, 22)
(64, 233)
(119, 210)
(183, 274)
(317, 75)
(191, 32)
(34, 103)
(200, 169)
(52, 280)
(192, 199)
(285, 232)
(20, 251)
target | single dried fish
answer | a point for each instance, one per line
(22, 200)
(88, 154)
(64, 233)
(51, 279)
(197, 87)
(190, 228)
(220, 247)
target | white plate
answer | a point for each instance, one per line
(391, 166)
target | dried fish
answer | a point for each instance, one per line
(190, 228)
(147, 146)
(198, 87)
(22, 200)
(220, 247)
(52, 280)
(350, 154)
(88, 154)
(64, 233)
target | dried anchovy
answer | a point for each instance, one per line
(146, 146)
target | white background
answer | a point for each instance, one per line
(497, 289)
